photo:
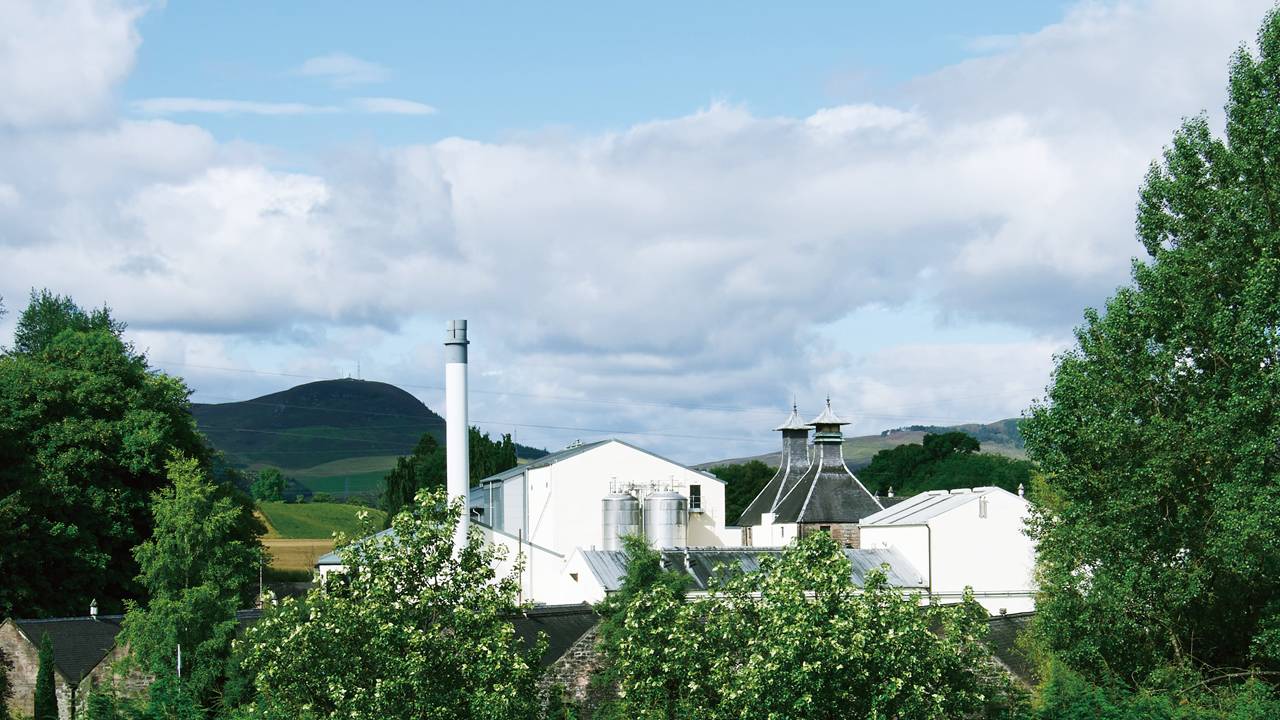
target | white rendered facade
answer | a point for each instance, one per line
(963, 538)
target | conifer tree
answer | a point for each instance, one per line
(46, 705)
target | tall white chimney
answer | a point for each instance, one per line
(457, 432)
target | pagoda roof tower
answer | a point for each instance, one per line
(793, 464)
(827, 492)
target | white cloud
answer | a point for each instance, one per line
(60, 60)
(344, 70)
(392, 106)
(189, 105)
(688, 260)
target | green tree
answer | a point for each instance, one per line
(411, 629)
(943, 461)
(742, 483)
(490, 457)
(423, 470)
(269, 486)
(46, 694)
(197, 572)
(85, 429)
(1160, 433)
(797, 639)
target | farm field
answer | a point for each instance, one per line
(358, 476)
(295, 554)
(314, 521)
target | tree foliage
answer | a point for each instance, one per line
(411, 629)
(85, 429)
(46, 693)
(269, 485)
(1160, 434)
(742, 483)
(425, 468)
(943, 461)
(795, 639)
(198, 572)
(6, 682)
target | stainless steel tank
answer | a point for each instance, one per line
(666, 519)
(621, 518)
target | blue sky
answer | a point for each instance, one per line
(492, 69)
(666, 219)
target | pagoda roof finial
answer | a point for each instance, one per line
(828, 417)
(793, 422)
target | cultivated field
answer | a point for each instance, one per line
(315, 521)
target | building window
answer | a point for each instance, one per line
(825, 528)
(695, 498)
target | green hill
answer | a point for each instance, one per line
(334, 436)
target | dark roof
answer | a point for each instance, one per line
(1002, 637)
(891, 500)
(562, 624)
(702, 564)
(827, 493)
(79, 643)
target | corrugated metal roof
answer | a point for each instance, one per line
(702, 564)
(331, 558)
(919, 509)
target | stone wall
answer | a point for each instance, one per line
(572, 674)
(26, 664)
(847, 534)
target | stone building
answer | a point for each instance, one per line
(818, 493)
(84, 649)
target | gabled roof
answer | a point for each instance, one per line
(331, 558)
(79, 643)
(919, 509)
(702, 564)
(562, 624)
(567, 453)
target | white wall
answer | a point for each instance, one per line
(767, 534)
(960, 548)
(564, 508)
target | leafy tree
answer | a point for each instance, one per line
(423, 470)
(48, 314)
(85, 429)
(411, 629)
(943, 461)
(269, 487)
(742, 483)
(1160, 433)
(46, 695)
(197, 572)
(490, 457)
(796, 639)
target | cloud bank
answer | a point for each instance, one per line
(691, 260)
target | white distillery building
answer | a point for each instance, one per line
(587, 497)
(963, 538)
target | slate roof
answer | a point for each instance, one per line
(828, 417)
(563, 625)
(919, 509)
(1002, 638)
(827, 493)
(791, 465)
(80, 643)
(793, 422)
(703, 564)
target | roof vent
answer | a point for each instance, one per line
(93, 608)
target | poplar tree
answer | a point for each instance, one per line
(46, 694)
(1160, 434)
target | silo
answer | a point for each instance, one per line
(666, 519)
(621, 518)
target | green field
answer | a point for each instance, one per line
(359, 475)
(315, 520)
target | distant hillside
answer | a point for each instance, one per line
(1001, 437)
(322, 423)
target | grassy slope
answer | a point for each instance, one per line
(317, 521)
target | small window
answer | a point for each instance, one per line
(695, 498)
(825, 528)
(574, 576)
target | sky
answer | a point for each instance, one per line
(663, 222)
